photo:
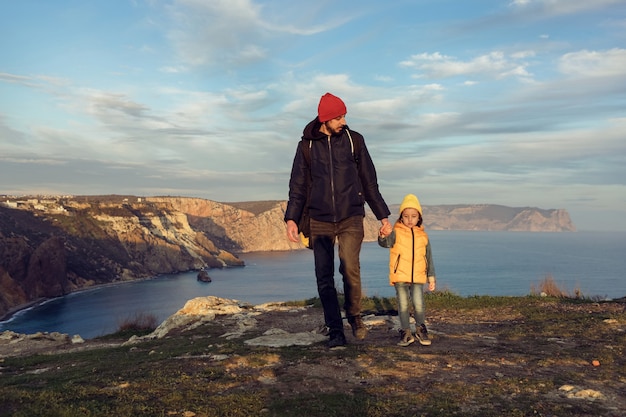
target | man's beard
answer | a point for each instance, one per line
(336, 131)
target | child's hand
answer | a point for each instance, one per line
(385, 230)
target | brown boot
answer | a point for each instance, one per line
(359, 331)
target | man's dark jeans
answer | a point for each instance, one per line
(349, 236)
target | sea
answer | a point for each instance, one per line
(467, 263)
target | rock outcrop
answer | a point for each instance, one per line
(242, 317)
(203, 276)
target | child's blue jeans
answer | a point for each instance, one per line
(406, 293)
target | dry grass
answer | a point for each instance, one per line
(549, 288)
(140, 322)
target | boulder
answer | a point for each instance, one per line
(203, 276)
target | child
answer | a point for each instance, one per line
(410, 267)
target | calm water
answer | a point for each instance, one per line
(467, 263)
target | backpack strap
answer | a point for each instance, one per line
(354, 148)
(306, 151)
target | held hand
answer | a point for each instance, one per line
(292, 231)
(385, 229)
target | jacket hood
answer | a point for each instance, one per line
(312, 130)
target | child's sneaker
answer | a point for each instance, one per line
(422, 335)
(406, 338)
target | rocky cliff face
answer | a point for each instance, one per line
(33, 262)
(84, 241)
(496, 218)
(245, 226)
(47, 254)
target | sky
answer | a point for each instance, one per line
(519, 103)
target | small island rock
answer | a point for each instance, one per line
(204, 276)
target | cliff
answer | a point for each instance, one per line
(495, 218)
(49, 253)
(52, 247)
(244, 226)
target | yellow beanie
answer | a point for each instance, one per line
(410, 201)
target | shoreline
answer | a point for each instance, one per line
(36, 303)
(14, 310)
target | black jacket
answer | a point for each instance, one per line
(341, 182)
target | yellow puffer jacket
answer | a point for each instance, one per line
(407, 257)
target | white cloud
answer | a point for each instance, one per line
(174, 69)
(215, 32)
(562, 7)
(594, 63)
(233, 33)
(495, 64)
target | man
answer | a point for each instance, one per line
(336, 164)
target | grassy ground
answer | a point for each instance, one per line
(491, 356)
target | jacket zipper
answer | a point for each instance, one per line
(412, 254)
(332, 179)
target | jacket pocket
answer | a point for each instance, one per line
(395, 266)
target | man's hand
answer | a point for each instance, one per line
(292, 231)
(385, 228)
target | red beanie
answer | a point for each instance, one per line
(330, 107)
